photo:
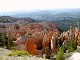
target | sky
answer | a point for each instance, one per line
(29, 5)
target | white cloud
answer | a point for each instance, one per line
(19, 5)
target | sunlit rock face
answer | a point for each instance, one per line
(38, 39)
(45, 42)
(53, 43)
(22, 46)
(37, 42)
(78, 38)
(76, 31)
(21, 42)
(33, 37)
(31, 46)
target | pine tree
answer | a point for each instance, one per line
(1, 40)
(72, 45)
(60, 54)
(64, 47)
(75, 43)
(7, 41)
(10, 43)
(47, 52)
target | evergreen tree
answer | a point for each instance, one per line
(7, 41)
(60, 54)
(72, 45)
(59, 43)
(64, 47)
(75, 42)
(10, 43)
(47, 52)
(1, 40)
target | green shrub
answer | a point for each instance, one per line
(19, 53)
(70, 49)
(64, 47)
(47, 53)
(52, 56)
(72, 45)
(60, 54)
(6, 41)
(10, 43)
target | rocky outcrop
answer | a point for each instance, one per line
(31, 46)
(45, 42)
(33, 37)
(53, 43)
